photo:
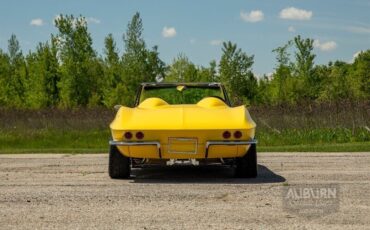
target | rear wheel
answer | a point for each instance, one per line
(119, 165)
(246, 166)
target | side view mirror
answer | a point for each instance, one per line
(117, 107)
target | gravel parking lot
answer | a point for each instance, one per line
(61, 191)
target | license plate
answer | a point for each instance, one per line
(182, 145)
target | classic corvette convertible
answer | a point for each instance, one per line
(182, 123)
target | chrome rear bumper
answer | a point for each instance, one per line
(138, 143)
(210, 143)
(158, 144)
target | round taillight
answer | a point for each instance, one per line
(128, 135)
(139, 135)
(238, 134)
(226, 134)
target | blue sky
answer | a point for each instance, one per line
(196, 28)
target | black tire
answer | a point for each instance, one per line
(119, 165)
(246, 166)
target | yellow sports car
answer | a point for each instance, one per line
(182, 123)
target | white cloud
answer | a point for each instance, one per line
(355, 55)
(260, 76)
(93, 20)
(253, 16)
(56, 17)
(37, 22)
(90, 20)
(326, 46)
(168, 32)
(215, 42)
(293, 13)
(359, 29)
(291, 29)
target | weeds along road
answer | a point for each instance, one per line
(74, 191)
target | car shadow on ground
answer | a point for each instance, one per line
(201, 174)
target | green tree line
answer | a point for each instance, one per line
(67, 72)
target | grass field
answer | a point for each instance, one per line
(318, 128)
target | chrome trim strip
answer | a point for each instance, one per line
(136, 143)
(131, 143)
(253, 141)
(209, 143)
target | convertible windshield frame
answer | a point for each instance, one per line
(150, 85)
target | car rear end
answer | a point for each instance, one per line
(183, 144)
